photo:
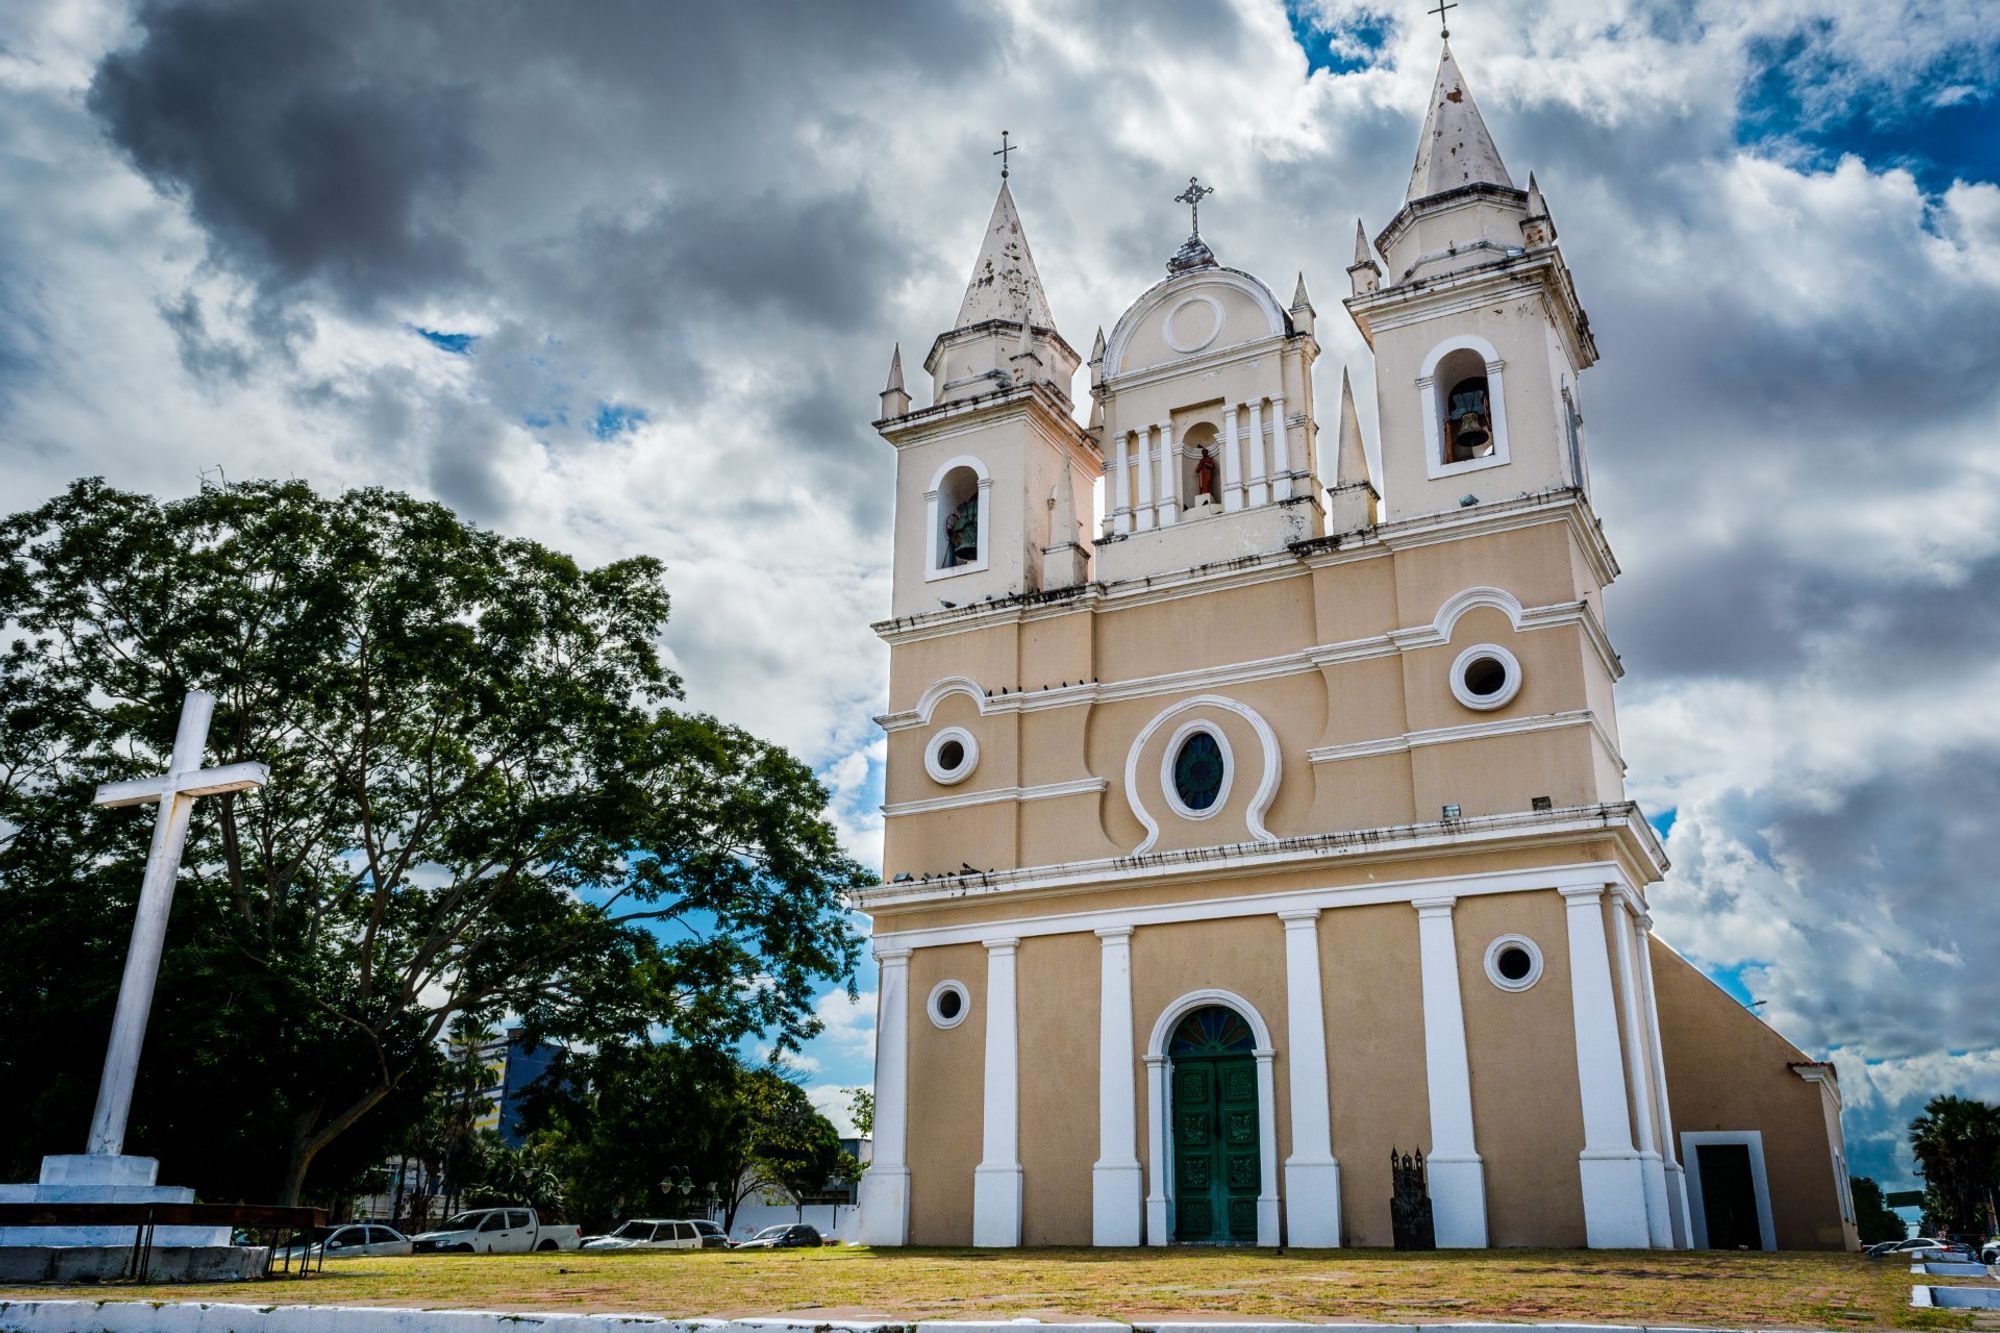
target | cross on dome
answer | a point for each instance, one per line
(1443, 5)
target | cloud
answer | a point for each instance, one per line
(225, 229)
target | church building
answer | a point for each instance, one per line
(1259, 868)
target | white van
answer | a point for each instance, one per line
(654, 1233)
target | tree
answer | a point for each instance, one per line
(787, 1145)
(483, 801)
(1873, 1218)
(861, 1109)
(1957, 1145)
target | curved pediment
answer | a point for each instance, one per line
(1191, 315)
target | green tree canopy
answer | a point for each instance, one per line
(1873, 1217)
(1957, 1145)
(484, 801)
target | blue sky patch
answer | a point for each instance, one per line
(458, 344)
(615, 419)
(1939, 131)
(1354, 46)
(1663, 823)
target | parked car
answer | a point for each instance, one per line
(1989, 1253)
(1889, 1249)
(795, 1236)
(652, 1233)
(356, 1240)
(496, 1231)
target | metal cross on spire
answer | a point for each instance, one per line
(1192, 197)
(175, 790)
(1002, 151)
(1443, 5)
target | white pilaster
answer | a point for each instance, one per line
(1260, 489)
(1232, 463)
(1614, 1192)
(1116, 1182)
(1143, 518)
(885, 1185)
(1457, 1175)
(1639, 1076)
(1312, 1175)
(996, 1181)
(1121, 513)
(1281, 451)
(1170, 476)
(1159, 1222)
(1677, 1201)
(1268, 1235)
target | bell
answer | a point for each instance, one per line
(1471, 432)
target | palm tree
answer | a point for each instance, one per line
(1957, 1145)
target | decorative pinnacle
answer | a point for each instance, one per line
(1002, 151)
(1192, 197)
(1443, 5)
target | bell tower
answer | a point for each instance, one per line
(1477, 332)
(993, 478)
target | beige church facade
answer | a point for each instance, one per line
(1274, 821)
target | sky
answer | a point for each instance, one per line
(624, 277)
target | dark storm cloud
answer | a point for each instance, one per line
(302, 158)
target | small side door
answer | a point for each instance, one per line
(520, 1231)
(684, 1236)
(492, 1237)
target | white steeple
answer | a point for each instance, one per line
(1004, 282)
(1353, 502)
(895, 398)
(1455, 149)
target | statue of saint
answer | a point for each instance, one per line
(1204, 475)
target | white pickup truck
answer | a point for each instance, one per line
(495, 1231)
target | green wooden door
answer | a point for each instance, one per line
(1216, 1169)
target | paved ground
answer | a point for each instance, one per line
(1716, 1290)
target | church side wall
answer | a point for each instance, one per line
(1372, 989)
(1058, 980)
(1526, 1102)
(947, 1084)
(1727, 1070)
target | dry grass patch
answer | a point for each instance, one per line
(1812, 1291)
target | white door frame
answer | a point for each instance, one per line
(1159, 1199)
(1759, 1183)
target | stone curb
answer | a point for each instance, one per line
(213, 1317)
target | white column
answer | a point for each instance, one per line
(1159, 1222)
(1677, 1202)
(933, 533)
(1232, 463)
(1144, 515)
(1614, 1193)
(1170, 476)
(1116, 1184)
(1267, 1155)
(1457, 1175)
(1281, 451)
(1121, 513)
(996, 1181)
(1312, 1175)
(1260, 489)
(1638, 1072)
(885, 1185)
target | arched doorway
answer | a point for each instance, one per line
(1217, 1169)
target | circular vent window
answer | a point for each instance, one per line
(951, 756)
(1513, 962)
(949, 1004)
(1485, 676)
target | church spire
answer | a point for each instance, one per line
(895, 398)
(1005, 284)
(1353, 503)
(1456, 149)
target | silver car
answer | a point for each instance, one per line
(356, 1240)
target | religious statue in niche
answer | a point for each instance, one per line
(1470, 424)
(1204, 477)
(961, 532)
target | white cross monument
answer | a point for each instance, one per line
(103, 1174)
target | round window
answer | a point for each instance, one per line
(951, 756)
(1513, 962)
(1199, 770)
(949, 1004)
(1485, 676)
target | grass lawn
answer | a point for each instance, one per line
(1816, 1291)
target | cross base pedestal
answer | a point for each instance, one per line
(95, 1178)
